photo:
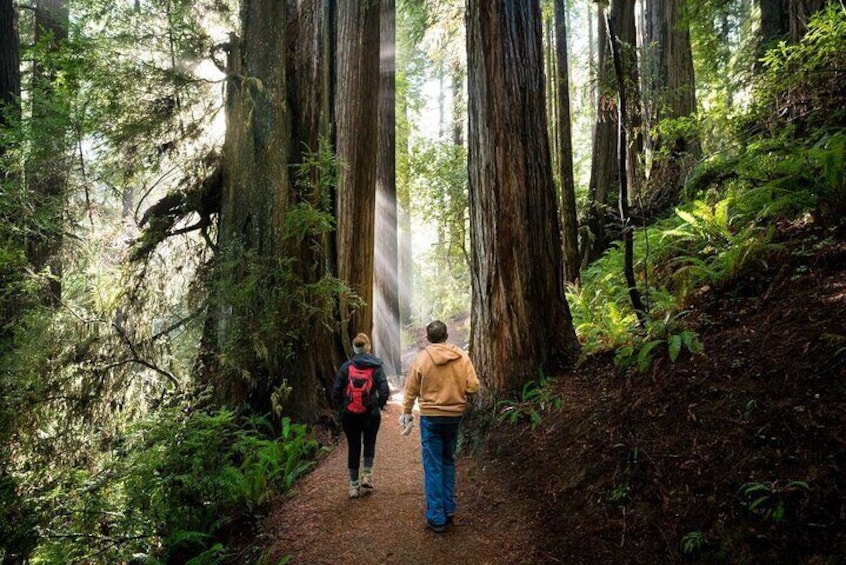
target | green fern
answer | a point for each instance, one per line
(536, 397)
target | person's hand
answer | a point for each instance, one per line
(405, 420)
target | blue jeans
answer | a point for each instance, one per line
(438, 435)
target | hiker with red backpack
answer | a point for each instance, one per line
(361, 392)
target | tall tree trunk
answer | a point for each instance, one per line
(386, 328)
(310, 95)
(405, 262)
(520, 318)
(440, 72)
(459, 117)
(624, 25)
(10, 70)
(622, 107)
(592, 59)
(16, 539)
(786, 19)
(10, 114)
(671, 94)
(774, 22)
(47, 162)
(603, 170)
(552, 84)
(799, 13)
(282, 356)
(569, 223)
(255, 200)
(459, 103)
(356, 138)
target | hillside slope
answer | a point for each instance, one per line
(736, 454)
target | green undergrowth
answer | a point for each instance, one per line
(178, 489)
(727, 230)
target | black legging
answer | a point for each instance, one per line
(358, 425)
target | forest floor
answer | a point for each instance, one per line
(734, 455)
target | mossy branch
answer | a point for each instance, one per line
(201, 196)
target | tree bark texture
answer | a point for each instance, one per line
(310, 65)
(356, 128)
(386, 326)
(256, 181)
(459, 103)
(622, 106)
(520, 319)
(603, 169)
(256, 193)
(10, 65)
(47, 162)
(10, 113)
(673, 87)
(569, 222)
(310, 82)
(799, 13)
(623, 22)
(405, 262)
(786, 19)
(671, 94)
(774, 21)
(551, 72)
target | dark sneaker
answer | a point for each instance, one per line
(450, 518)
(437, 528)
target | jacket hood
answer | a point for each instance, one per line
(443, 353)
(362, 360)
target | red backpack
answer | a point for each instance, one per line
(359, 386)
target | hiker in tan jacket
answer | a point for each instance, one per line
(440, 378)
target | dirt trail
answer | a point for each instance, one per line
(318, 523)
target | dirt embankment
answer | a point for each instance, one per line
(735, 455)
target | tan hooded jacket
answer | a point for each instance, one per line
(441, 376)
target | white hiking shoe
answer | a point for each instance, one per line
(366, 484)
(354, 491)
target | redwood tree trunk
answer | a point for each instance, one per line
(569, 223)
(10, 67)
(671, 95)
(356, 128)
(774, 21)
(615, 45)
(786, 19)
(310, 71)
(10, 113)
(256, 192)
(623, 22)
(386, 327)
(799, 12)
(279, 330)
(603, 169)
(520, 319)
(47, 163)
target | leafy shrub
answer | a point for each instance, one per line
(659, 335)
(720, 245)
(801, 84)
(187, 480)
(536, 397)
(769, 500)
